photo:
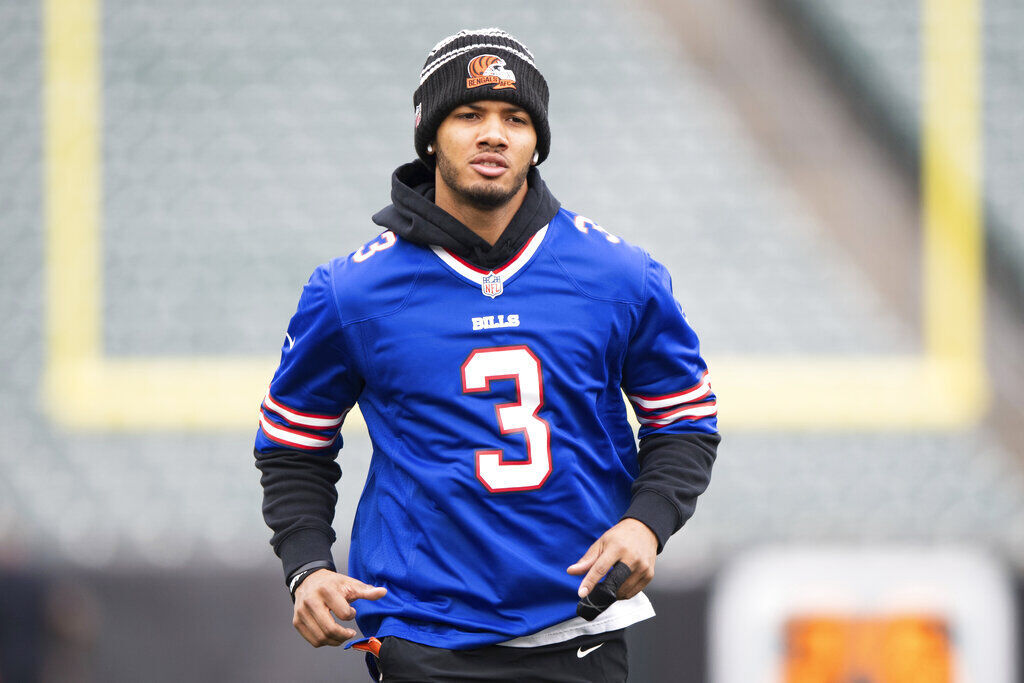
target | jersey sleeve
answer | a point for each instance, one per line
(299, 429)
(664, 376)
(316, 383)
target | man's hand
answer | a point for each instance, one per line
(630, 541)
(322, 593)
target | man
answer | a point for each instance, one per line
(487, 335)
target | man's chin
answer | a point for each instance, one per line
(487, 197)
(483, 194)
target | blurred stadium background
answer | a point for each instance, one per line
(834, 184)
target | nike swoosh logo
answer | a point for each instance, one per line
(581, 653)
(291, 342)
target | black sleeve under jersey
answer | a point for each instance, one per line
(299, 498)
(674, 470)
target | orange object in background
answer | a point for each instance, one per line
(893, 649)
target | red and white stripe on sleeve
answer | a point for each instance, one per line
(689, 404)
(296, 429)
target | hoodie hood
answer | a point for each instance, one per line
(414, 216)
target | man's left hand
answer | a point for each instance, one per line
(630, 541)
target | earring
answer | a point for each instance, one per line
(536, 157)
(430, 148)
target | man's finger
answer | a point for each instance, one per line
(338, 595)
(633, 585)
(310, 629)
(336, 602)
(636, 582)
(587, 561)
(594, 576)
(303, 630)
(357, 590)
(334, 633)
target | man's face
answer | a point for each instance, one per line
(484, 150)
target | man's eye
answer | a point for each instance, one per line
(467, 115)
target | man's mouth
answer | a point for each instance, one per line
(489, 165)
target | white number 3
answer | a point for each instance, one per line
(516, 363)
(387, 238)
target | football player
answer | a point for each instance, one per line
(487, 334)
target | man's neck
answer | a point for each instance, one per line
(487, 224)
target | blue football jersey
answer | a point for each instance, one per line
(493, 399)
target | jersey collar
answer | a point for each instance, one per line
(476, 274)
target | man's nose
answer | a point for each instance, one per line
(492, 132)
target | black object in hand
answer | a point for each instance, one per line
(603, 594)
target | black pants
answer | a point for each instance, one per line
(599, 658)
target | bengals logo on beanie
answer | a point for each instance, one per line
(490, 69)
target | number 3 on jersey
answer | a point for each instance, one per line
(519, 364)
(387, 240)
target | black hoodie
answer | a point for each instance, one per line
(674, 468)
(414, 216)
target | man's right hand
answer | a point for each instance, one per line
(321, 597)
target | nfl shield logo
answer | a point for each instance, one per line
(491, 285)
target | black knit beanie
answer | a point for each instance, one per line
(482, 64)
